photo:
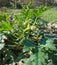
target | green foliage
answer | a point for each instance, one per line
(23, 38)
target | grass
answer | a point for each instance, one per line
(50, 15)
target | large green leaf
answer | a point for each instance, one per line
(37, 59)
(33, 60)
(50, 44)
(28, 45)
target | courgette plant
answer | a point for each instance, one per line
(24, 39)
